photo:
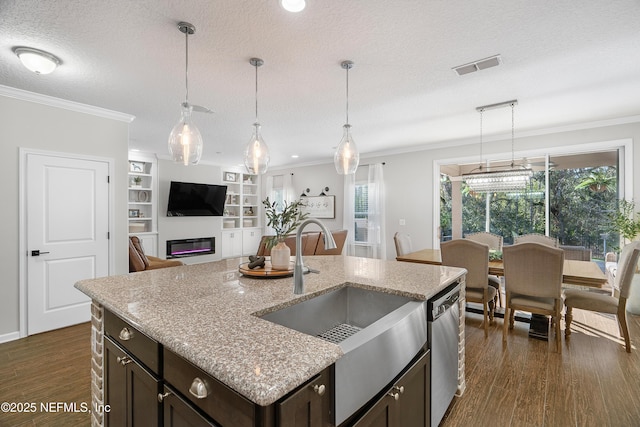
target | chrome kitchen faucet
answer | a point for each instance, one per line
(329, 243)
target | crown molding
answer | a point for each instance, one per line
(51, 101)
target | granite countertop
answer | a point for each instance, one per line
(206, 313)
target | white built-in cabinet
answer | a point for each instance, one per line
(142, 200)
(241, 230)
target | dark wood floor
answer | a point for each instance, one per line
(45, 369)
(594, 382)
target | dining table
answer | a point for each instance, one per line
(574, 272)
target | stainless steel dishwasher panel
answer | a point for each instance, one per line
(443, 330)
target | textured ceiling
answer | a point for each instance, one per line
(566, 62)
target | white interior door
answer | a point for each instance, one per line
(67, 205)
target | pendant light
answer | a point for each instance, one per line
(512, 178)
(185, 141)
(347, 157)
(256, 155)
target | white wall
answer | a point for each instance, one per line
(170, 228)
(36, 126)
(409, 177)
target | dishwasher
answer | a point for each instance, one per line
(443, 329)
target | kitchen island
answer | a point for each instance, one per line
(207, 314)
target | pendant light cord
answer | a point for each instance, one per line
(186, 66)
(512, 134)
(481, 115)
(348, 95)
(256, 93)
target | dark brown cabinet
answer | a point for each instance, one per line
(178, 413)
(406, 403)
(148, 385)
(131, 391)
(310, 405)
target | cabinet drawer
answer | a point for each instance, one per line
(135, 342)
(221, 403)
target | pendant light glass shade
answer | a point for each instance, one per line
(347, 157)
(256, 154)
(185, 141)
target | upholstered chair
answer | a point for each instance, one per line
(610, 304)
(403, 244)
(537, 238)
(533, 283)
(494, 242)
(474, 257)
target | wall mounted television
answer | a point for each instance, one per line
(191, 199)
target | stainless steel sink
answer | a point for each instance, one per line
(379, 334)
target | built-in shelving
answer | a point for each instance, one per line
(241, 221)
(142, 200)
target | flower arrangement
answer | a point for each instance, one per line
(283, 221)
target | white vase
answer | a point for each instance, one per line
(280, 256)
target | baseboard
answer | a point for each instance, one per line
(9, 337)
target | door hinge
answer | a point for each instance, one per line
(108, 235)
(108, 179)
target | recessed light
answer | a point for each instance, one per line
(293, 5)
(38, 61)
(294, 156)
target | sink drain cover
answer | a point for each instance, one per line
(339, 333)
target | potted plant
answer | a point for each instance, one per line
(137, 181)
(627, 223)
(599, 181)
(283, 220)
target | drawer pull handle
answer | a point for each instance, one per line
(399, 388)
(319, 389)
(123, 360)
(125, 334)
(162, 396)
(395, 396)
(198, 389)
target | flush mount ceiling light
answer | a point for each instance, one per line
(511, 179)
(480, 64)
(256, 155)
(38, 61)
(293, 5)
(347, 157)
(185, 140)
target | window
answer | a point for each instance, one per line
(583, 190)
(361, 212)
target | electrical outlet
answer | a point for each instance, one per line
(402, 222)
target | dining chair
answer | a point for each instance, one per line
(403, 243)
(610, 304)
(474, 257)
(533, 283)
(494, 242)
(537, 238)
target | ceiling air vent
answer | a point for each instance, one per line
(480, 64)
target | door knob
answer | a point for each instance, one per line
(38, 253)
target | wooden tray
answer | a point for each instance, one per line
(266, 271)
